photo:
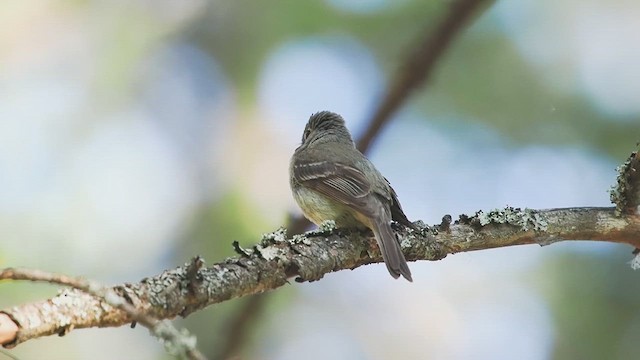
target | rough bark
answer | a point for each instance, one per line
(308, 257)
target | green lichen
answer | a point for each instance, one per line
(301, 239)
(277, 236)
(268, 249)
(526, 219)
(269, 252)
(617, 191)
(625, 193)
(327, 226)
(635, 262)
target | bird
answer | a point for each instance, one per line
(331, 179)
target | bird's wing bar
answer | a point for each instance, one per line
(340, 182)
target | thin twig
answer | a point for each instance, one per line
(176, 342)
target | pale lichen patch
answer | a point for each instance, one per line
(526, 219)
(327, 226)
(279, 235)
(608, 223)
(625, 194)
(635, 262)
(301, 239)
(269, 252)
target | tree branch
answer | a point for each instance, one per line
(309, 257)
(420, 64)
(176, 342)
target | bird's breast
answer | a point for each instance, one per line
(319, 208)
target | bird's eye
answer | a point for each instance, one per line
(305, 135)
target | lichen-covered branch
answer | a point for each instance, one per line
(176, 342)
(625, 194)
(308, 257)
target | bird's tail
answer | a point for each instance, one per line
(391, 250)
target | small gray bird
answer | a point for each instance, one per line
(332, 180)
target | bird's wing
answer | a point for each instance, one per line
(339, 182)
(397, 214)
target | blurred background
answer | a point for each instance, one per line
(137, 134)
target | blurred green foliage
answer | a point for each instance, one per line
(594, 300)
(242, 34)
